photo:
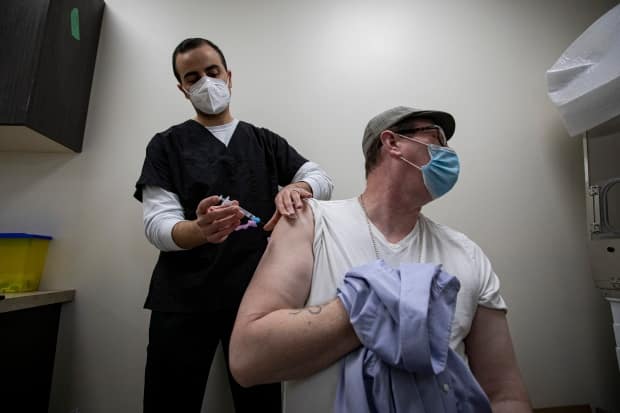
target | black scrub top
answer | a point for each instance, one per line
(192, 163)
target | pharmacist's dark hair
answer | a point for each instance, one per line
(190, 44)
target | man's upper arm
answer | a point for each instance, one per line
(274, 337)
(492, 360)
(284, 274)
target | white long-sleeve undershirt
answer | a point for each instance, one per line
(162, 209)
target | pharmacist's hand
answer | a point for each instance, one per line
(215, 221)
(288, 201)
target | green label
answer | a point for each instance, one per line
(75, 23)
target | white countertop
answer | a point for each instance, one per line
(21, 301)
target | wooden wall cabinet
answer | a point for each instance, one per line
(48, 50)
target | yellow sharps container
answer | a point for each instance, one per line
(22, 258)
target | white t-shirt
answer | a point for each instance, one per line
(342, 241)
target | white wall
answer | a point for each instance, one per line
(315, 72)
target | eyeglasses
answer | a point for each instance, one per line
(427, 133)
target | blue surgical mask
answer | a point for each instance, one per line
(441, 172)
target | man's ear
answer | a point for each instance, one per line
(229, 79)
(390, 142)
(183, 91)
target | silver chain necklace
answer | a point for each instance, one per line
(372, 237)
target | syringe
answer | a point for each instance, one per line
(245, 212)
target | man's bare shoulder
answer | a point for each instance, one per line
(302, 219)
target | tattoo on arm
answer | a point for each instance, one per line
(315, 309)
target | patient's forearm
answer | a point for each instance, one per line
(291, 344)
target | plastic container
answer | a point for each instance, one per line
(22, 258)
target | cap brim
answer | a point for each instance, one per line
(443, 119)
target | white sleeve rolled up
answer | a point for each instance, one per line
(321, 184)
(161, 211)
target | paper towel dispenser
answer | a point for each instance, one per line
(48, 58)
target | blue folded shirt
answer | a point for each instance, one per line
(403, 318)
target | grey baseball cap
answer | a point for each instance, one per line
(391, 117)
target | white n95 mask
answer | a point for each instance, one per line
(210, 95)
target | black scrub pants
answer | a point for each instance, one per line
(179, 355)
